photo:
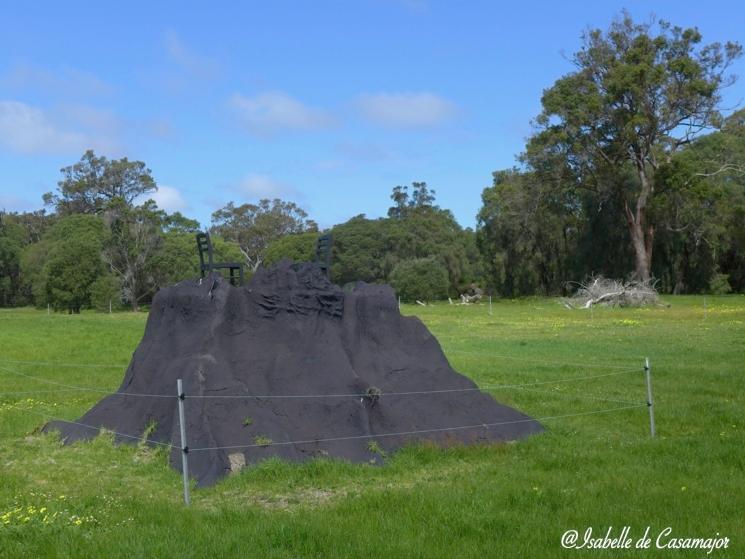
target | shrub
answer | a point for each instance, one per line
(106, 289)
(719, 284)
(423, 279)
(63, 266)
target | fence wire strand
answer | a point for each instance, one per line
(60, 364)
(406, 393)
(577, 396)
(83, 388)
(466, 352)
(417, 432)
(536, 361)
(483, 387)
(50, 417)
(25, 392)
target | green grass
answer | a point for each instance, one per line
(512, 500)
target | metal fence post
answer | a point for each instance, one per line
(184, 447)
(650, 402)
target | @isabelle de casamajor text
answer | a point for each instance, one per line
(624, 539)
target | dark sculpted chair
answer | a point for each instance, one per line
(324, 246)
(207, 263)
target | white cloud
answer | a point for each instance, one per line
(194, 63)
(63, 81)
(406, 110)
(262, 186)
(169, 199)
(61, 129)
(272, 112)
(26, 129)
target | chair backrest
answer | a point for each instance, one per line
(204, 245)
(324, 246)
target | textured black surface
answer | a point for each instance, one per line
(289, 331)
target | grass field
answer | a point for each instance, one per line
(514, 500)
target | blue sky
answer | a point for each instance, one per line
(329, 104)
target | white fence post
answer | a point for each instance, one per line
(184, 447)
(650, 402)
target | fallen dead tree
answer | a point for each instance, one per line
(612, 293)
(472, 295)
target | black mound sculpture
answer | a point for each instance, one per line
(291, 332)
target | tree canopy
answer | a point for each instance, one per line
(639, 94)
(255, 226)
(93, 183)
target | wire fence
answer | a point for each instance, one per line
(586, 365)
(417, 432)
(181, 397)
(521, 386)
(27, 392)
(72, 387)
(50, 417)
(583, 365)
(576, 396)
(58, 364)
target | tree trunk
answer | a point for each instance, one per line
(642, 258)
(132, 288)
(640, 231)
(135, 299)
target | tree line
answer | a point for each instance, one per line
(632, 171)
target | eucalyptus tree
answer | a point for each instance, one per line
(640, 92)
(95, 182)
(253, 227)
